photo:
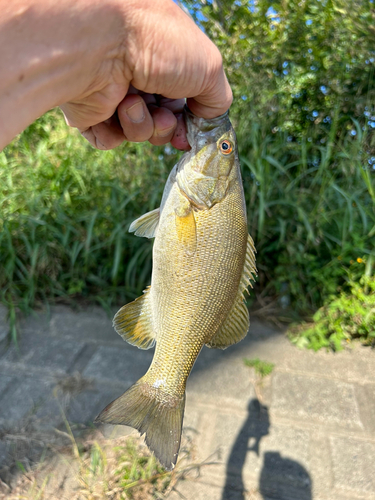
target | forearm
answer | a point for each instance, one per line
(44, 45)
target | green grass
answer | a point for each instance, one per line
(65, 212)
(262, 368)
(310, 207)
(347, 316)
(119, 469)
(122, 471)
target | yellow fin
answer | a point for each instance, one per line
(154, 413)
(237, 323)
(134, 322)
(234, 328)
(186, 228)
(146, 225)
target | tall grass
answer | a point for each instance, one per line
(311, 207)
(65, 210)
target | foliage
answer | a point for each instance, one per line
(310, 209)
(262, 368)
(299, 62)
(66, 208)
(348, 316)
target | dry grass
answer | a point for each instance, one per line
(96, 467)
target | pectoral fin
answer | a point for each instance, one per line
(237, 323)
(186, 228)
(146, 225)
(134, 322)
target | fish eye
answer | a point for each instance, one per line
(226, 147)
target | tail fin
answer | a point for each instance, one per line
(154, 413)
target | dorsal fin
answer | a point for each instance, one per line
(249, 270)
(146, 225)
(237, 323)
(134, 322)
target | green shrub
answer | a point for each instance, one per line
(348, 316)
(300, 63)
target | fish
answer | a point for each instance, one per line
(203, 262)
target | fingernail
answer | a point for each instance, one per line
(136, 113)
(165, 132)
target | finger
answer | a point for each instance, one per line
(179, 139)
(108, 134)
(149, 98)
(214, 101)
(165, 123)
(103, 140)
(89, 136)
(174, 105)
(215, 95)
(135, 119)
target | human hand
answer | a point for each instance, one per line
(141, 117)
(138, 89)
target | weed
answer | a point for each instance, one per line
(348, 316)
(262, 368)
(96, 468)
(310, 209)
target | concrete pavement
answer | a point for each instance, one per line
(305, 432)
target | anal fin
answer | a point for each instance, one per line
(235, 326)
(146, 225)
(237, 323)
(134, 322)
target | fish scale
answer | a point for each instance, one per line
(203, 260)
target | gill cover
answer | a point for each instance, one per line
(203, 172)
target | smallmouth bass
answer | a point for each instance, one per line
(203, 261)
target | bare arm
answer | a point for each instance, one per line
(89, 56)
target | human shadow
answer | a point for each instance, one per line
(281, 478)
(255, 427)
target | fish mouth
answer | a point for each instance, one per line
(209, 128)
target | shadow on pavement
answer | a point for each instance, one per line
(280, 479)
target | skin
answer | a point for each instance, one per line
(102, 62)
